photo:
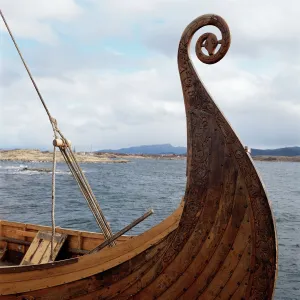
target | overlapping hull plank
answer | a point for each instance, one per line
(220, 245)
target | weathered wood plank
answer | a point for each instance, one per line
(3, 250)
(40, 249)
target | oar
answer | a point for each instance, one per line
(121, 232)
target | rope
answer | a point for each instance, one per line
(71, 162)
(52, 120)
(53, 203)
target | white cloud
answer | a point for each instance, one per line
(96, 102)
(31, 18)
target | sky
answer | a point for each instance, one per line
(108, 71)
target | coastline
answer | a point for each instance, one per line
(29, 155)
(26, 155)
(276, 158)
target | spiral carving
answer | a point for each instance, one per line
(209, 41)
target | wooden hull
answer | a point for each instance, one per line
(220, 245)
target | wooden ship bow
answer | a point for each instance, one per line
(219, 244)
(226, 243)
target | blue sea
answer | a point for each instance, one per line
(126, 191)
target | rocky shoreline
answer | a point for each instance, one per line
(277, 158)
(46, 156)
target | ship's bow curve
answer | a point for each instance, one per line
(225, 245)
(227, 213)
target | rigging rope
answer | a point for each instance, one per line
(71, 161)
(53, 203)
(52, 120)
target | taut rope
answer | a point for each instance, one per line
(66, 151)
(52, 120)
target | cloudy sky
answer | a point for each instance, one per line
(108, 71)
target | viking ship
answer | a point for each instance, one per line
(220, 243)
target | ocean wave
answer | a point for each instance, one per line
(11, 170)
(20, 167)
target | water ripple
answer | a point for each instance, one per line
(126, 191)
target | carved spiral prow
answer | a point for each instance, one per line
(209, 41)
(195, 95)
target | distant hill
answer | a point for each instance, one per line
(287, 151)
(169, 149)
(149, 149)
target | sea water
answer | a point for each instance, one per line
(126, 191)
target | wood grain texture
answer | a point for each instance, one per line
(220, 244)
(39, 251)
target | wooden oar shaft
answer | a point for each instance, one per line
(121, 232)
